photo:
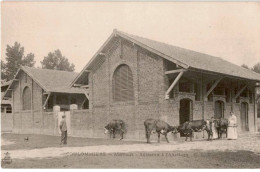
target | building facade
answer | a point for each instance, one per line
(133, 79)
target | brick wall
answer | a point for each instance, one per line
(81, 123)
(6, 122)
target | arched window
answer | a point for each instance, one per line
(27, 98)
(123, 84)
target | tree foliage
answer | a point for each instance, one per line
(244, 66)
(14, 59)
(56, 61)
(256, 67)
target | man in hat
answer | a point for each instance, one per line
(63, 129)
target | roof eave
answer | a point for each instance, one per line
(93, 58)
(223, 74)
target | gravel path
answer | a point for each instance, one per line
(246, 143)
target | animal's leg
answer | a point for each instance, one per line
(158, 137)
(226, 133)
(166, 138)
(191, 135)
(148, 136)
(122, 135)
(114, 134)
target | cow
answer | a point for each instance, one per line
(160, 127)
(189, 127)
(221, 126)
(115, 126)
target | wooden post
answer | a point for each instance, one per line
(202, 86)
(32, 105)
(213, 86)
(69, 99)
(173, 84)
(255, 108)
(54, 98)
(192, 87)
(240, 91)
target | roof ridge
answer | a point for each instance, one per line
(184, 49)
(53, 70)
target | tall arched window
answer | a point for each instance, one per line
(27, 98)
(123, 84)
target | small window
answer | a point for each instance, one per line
(9, 109)
(123, 84)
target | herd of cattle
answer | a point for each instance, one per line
(187, 129)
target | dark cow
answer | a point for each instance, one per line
(189, 127)
(221, 126)
(115, 126)
(159, 126)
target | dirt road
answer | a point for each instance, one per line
(245, 143)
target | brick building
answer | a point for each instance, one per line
(134, 78)
(6, 109)
(34, 92)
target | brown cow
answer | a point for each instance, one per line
(221, 126)
(159, 126)
(115, 126)
(189, 127)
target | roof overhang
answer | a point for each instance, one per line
(217, 73)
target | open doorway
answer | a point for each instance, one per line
(185, 110)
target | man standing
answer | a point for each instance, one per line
(63, 129)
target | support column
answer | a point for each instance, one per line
(54, 99)
(255, 109)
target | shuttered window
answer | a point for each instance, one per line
(26, 98)
(123, 84)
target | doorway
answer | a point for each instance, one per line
(219, 109)
(244, 117)
(185, 112)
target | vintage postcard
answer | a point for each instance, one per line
(142, 85)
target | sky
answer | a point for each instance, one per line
(230, 30)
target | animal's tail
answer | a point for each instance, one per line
(146, 132)
(124, 127)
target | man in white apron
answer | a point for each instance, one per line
(232, 127)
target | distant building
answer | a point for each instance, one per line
(6, 103)
(35, 91)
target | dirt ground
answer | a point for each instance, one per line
(45, 152)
